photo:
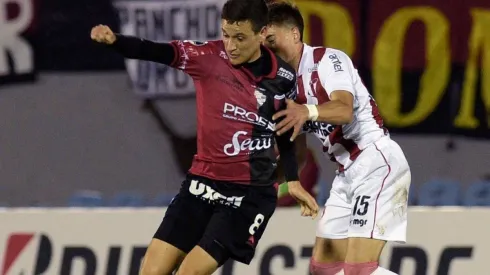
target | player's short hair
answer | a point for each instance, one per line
(255, 11)
(281, 13)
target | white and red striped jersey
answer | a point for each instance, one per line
(322, 71)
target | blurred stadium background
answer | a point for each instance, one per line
(81, 127)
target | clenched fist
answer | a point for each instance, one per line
(103, 34)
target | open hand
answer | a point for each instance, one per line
(295, 115)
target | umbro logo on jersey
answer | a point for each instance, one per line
(314, 69)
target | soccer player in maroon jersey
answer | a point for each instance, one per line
(229, 194)
(367, 206)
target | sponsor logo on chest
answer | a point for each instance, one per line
(234, 112)
(241, 143)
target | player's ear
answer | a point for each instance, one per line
(263, 34)
(296, 35)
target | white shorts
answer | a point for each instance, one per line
(370, 198)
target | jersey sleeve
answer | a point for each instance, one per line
(336, 72)
(289, 92)
(189, 56)
(292, 92)
(286, 147)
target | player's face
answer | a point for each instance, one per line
(280, 39)
(241, 43)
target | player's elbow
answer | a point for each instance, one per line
(347, 115)
(350, 117)
(344, 106)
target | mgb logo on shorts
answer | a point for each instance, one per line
(210, 195)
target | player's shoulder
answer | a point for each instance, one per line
(285, 72)
(320, 58)
(204, 47)
(201, 43)
(286, 78)
(335, 60)
(218, 44)
(330, 51)
(335, 56)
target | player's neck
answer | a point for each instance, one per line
(256, 56)
(297, 57)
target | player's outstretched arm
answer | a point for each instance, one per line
(134, 47)
(287, 152)
(338, 111)
(287, 155)
(301, 151)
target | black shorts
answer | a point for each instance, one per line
(227, 220)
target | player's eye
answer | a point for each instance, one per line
(239, 38)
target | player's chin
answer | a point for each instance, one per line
(236, 61)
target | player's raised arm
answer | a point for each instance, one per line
(134, 47)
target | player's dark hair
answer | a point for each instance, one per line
(284, 13)
(254, 11)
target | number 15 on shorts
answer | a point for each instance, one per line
(361, 206)
(259, 219)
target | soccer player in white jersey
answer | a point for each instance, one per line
(368, 202)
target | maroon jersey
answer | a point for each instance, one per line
(235, 135)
